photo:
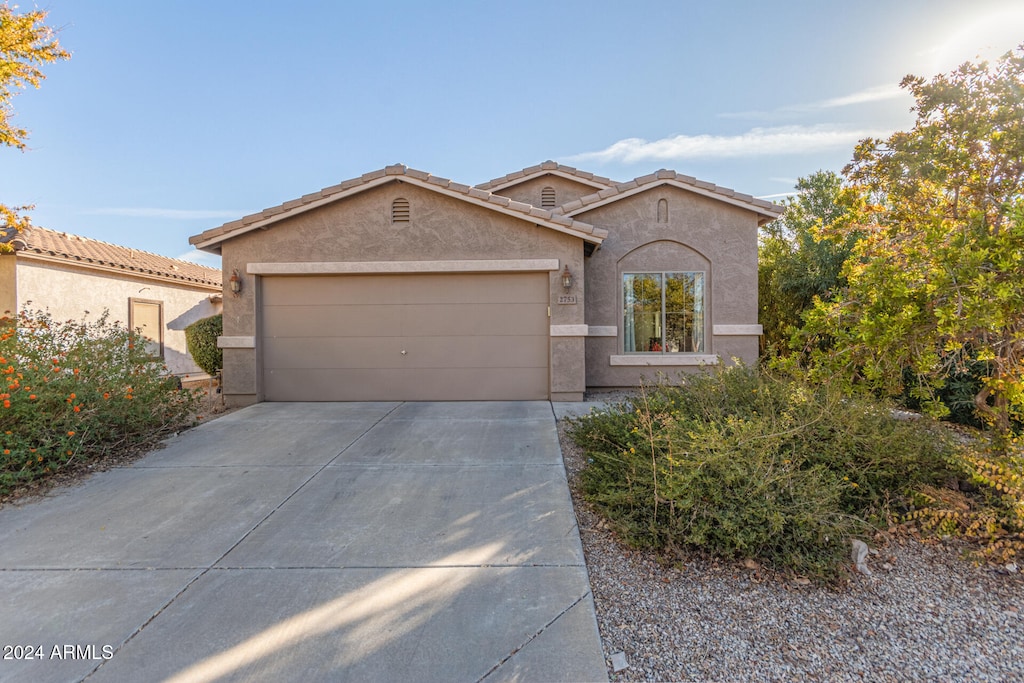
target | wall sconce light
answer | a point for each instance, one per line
(235, 282)
(567, 278)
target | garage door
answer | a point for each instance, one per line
(412, 337)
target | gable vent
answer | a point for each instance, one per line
(663, 211)
(547, 198)
(400, 210)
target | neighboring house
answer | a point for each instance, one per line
(75, 278)
(399, 285)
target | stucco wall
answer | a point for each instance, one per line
(359, 228)
(67, 293)
(700, 234)
(565, 190)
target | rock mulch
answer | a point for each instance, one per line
(924, 614)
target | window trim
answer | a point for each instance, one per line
(132, 301)
(702, 352)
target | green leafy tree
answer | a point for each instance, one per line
(937, 281)
(801, 255)
(26, 44)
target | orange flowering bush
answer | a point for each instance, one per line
(78, 390)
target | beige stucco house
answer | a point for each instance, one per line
(76, 278)
(399, 285)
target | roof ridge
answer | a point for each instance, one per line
(540, 169)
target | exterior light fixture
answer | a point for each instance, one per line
(235, 282)
(567, 278)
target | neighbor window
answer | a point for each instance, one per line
(147, 317)
(663, 312)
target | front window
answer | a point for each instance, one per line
(663, 312)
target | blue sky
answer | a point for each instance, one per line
(175, 117)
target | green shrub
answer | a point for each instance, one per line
(201, 341)
(745, 464)
(73, 391)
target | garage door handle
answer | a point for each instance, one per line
(404, 352)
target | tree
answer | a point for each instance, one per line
(801, 254)
(26, 44)
(938, 278)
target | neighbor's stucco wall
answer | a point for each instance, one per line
(359, 228)
(71, 293)
(529, 191)
(701, 234)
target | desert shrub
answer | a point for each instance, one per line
(201, 342)
(989, 513)
(73, 391)
(748, 464)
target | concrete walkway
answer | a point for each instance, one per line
(310, 542)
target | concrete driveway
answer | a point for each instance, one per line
(310, 542)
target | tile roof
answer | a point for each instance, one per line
(545, 168)
(767, 210)
(210, 240)
(67, 248)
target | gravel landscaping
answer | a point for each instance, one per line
(924, 614)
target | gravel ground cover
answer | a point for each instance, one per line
(924, 614)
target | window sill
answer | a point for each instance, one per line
(665, 359)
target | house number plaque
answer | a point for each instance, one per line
(567, 299)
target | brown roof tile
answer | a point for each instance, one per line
(542, 169)
(211, 239)
(767, 210)
(62, 246)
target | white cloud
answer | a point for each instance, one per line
(876, 93)
(755, 142)
(200, 257)
(175, 214)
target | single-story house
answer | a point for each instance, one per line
(400, 285)
(76, 278)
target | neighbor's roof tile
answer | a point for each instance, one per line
(65, 247)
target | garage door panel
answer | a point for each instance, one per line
(326, 290)
(373, 320)
(422, 352)
(469, 288)
(473, 320)
(414, 385)
(318, 352)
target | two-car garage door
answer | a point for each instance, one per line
(437, 336)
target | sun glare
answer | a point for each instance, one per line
(986, 37)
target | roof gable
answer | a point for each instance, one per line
(543, 169)
(62, 247)
(211, 240)
(766, 211)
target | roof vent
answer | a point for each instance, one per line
(400, 210)
(547, 198)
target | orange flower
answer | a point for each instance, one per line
(72, 395)
(31, 397)
(71, 433)
(7, 404)
(75, 371)
(78, 409)
(106, 395)
(7, 451)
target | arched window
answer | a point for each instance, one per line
(663, 211)
(400, 210)
(547, 198)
